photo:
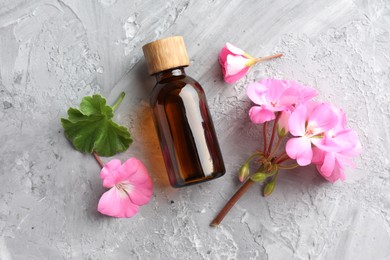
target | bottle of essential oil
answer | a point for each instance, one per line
(185, 129)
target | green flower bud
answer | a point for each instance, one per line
(244, 172)
(282, 126)
(259, 176)
(281, 132)
(269, 188)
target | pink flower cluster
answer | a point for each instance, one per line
(319, 131)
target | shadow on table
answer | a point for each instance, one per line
(148, 135)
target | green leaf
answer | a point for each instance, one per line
(259, 176)
(91, 128)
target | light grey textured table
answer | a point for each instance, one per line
(52, 53)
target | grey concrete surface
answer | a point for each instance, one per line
(52, 53)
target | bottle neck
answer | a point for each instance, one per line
(166, 74)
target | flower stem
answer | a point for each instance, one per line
(228, 206)
(276, 147)
(265, 138)
(98, 159)
(250, 158)
(273, 134)
(288, 167)
(118, 101)
(268, 57)
(281, 158)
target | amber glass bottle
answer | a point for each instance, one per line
(186, 133)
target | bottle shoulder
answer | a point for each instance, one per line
(168, 86)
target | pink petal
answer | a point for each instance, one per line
(223, 56)
(113, 203)
(322, 144)
(318, 156)
(235, 64)
(275, 88)
(258, 115)
(234, 49)
(140, 194)
(255, 91)
(128, 168)
(328, 164)
(337, 174)
(304, 92)
(285, 102)
(109, 179)
(233, 78)
(297, 121)
(355, 151)
(141, 175)
(300, 149)
(138, 182)
(331, 144)
(323, 118)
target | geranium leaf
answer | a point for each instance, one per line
(91, 128)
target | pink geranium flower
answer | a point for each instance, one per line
(272, 95)
(308, 123)
(345, 143)
(130, 187)
(236, 63)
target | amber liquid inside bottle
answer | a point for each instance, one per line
(187, 137)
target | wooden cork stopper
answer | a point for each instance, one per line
(166, 53)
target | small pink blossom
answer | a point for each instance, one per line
(236, 63)
(130, 187)
(273, 95)
(308, 123)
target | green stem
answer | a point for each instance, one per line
(276, 147)
(288, 167)
(118, 101)
(250, 158)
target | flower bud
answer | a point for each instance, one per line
(269, 188)
(282, 126)
(244, 172)
(259, 176)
